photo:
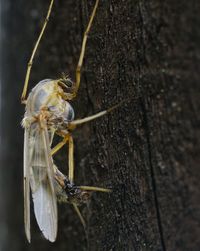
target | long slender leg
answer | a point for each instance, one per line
(80, 62)
(29, 66)
(88, 188)
(67, 138)
(71, 179)
(76, 122)
(95, 189)
(79, 214)
(60, 145)
(71, 159)
(71, 175)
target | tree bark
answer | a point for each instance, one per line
(147, 150)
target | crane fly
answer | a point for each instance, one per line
(48, 112)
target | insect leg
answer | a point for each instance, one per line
(76, 122)
(67, 138)
(79, 214)
(29, 66)
(80, 62)
(95, 189)
(71, 159)
(88, 188)
(60, 145)
(71, 176)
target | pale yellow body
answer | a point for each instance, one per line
(48, 112)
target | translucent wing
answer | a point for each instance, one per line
(26, 185)
(39, 170)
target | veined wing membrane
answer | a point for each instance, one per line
(41, 181)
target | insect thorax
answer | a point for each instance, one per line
(47, 96)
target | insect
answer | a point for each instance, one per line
(48, 112)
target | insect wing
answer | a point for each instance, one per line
(40, 171)
(27, 185)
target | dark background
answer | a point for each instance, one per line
(147, 150)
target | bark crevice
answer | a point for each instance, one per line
(153, 179)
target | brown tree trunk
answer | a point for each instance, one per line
(147, 151)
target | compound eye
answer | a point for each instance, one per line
(67, 84)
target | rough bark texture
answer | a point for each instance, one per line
(147, 150)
